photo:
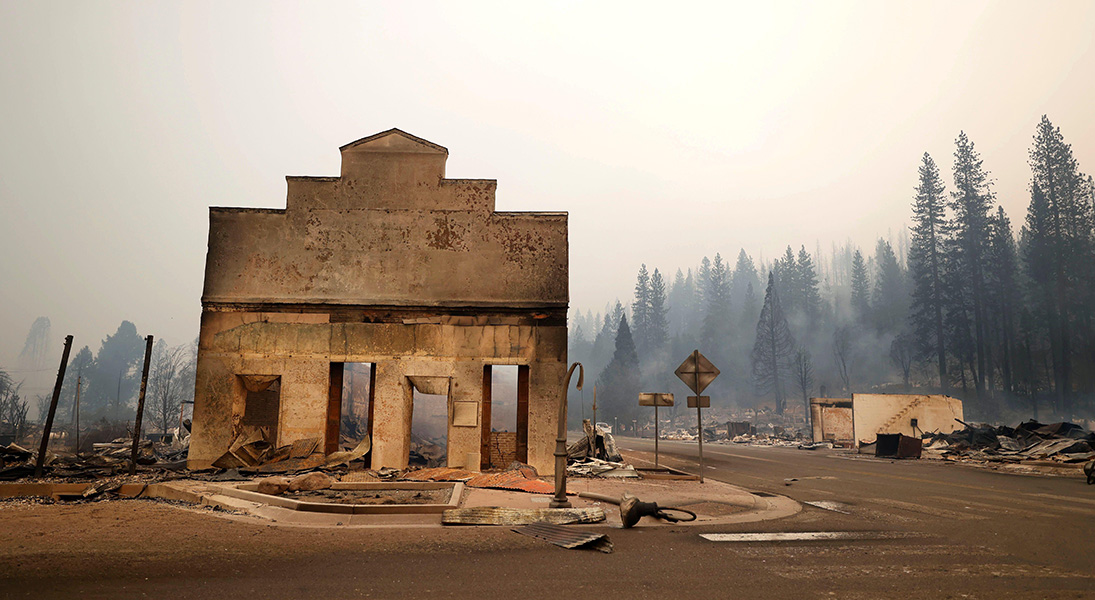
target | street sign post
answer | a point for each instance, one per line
(697, 373)
(655, 400)
(699, 402)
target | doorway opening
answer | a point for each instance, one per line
(429, 422)
(350, 405)
(505, 415)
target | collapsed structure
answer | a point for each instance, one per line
(393, 265)
(862, 418)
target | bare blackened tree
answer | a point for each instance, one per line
(773, 348)
(842, 351)
(166, 383)
(804, 377)
(902, 351)
(13, 408)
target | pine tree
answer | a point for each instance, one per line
(890, 293)
(970, 203)
(806, 278)
(703, 281)
(716, 319)
(657, 325)
(789, 286)
(618, 314)
(618, 385)
(745, 273)
(1002, 287)
(1059, 255)
(679, 301)
(926, 257)
(640, 310)
(861, 286)
(773, 348)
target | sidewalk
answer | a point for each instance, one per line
(714, 503)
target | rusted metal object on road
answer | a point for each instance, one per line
(515, 480)
(895, 445)
(632, 509)
(566, 538)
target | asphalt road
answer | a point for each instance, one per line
(946, 532)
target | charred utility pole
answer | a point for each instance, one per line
(140, 406)
(52, 407)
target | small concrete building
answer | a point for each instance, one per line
(862, 418)
(394, 266)
(831, 420)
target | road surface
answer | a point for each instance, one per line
(904, 529)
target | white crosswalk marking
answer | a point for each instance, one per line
(803, 536)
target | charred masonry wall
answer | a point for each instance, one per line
(390, 264)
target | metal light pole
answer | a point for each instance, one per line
(560, 499)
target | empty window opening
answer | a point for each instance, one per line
(262, 405)
(505, 416)
(429, 429)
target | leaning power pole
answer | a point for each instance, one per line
(140, 406)
(52, 408)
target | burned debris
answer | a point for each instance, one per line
(1065, 443)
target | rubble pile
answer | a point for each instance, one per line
(253, 450)
(107, 459)
(596, 455)
(1059, 442)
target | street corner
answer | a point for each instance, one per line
(712, 502)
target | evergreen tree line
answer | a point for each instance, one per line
(109, 381)
(960, 304)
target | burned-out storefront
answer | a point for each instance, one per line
(379, 301)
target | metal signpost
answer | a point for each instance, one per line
(697, 373)
(655, 400)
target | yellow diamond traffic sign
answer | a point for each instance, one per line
(697, 372)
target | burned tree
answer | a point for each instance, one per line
(168, 384)
(842, 352)
(773, 348)
(804, 377)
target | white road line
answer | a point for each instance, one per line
(802, 536)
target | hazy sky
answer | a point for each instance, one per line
(667, 130)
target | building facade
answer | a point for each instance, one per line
(392, 265)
